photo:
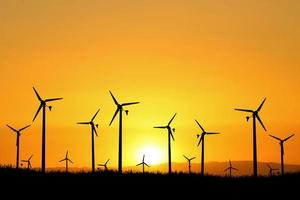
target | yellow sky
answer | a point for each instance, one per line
(200, 59)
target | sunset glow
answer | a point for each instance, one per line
(199, 59)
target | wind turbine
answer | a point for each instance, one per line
(18, 132)
(254, 116)
(28, 162)
(170, 134)
(43, 105)
(143, 163)
(120, 111)
(94, 131)
(104, 165)
(189, 162)
(230, 168)
(67, 160)
(281, 143)
(271, 170)
(202, 136)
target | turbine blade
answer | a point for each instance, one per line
(261, 105)
(11, 128)
(146, 164)
(143, 157)
(67, 153)
(54, 99)
(30, 157)
(226, 169)
(200, 140)
(24, 161)
(172, 119)
(83, 122)
(244, 110)
(95, 115)
(288, 137)
(127, 104)
(275, 137)
(159, 127)
(200, 126)
(71, 161)
(139, 164)
(211, 133)
(257, 116)
(114, 116)
(172, 136)
(116, 102)
(62, 160)
(235, 169)
(95, 131)
(37, 112)
(23, 128)
(107, 161)
(185, 157)
(192, 158)
(37, 94)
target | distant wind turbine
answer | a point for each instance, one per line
(189, 162)
(170, 134)
(43, 105)
(120, 111)
(104, 165)
(230, 168)
(94, 131)
(28, 162)
(202, 137)
(271, 170)
(254, 116)
(281, 143)
(67, 160)
(143, 163)
(18, 132)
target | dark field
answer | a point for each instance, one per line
(132, 185)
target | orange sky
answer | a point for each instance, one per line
(200, 59)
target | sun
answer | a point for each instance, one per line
(153, 154)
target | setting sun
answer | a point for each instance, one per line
(153, 154)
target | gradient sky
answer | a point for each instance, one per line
(199, 58)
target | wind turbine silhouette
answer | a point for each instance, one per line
(67, 160)
(143, 163)
(189, 162)
(120, 111)
(202, 136)
(254, 116)
(43, 105)
(104, 165)
(271, 170)
(230, 168)
(18, 132)
(28, 162)
(170, 134)
(281, 143)
(94, 131)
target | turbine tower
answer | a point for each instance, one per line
(170, 134)
(67, 160)
(189, 162)
(202, 137)
(281, 143)
(28, 162)
(43, 105)
(120, 111)
(230, 168)
(18, 132)
(94, 131)
(143, 163)
(254, 115)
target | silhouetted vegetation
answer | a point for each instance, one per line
(150, 182)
